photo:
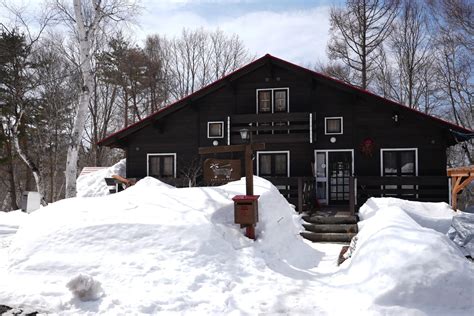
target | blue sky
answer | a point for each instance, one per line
(295, 30)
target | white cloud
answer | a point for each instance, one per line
(297, 36)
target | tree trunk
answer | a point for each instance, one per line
(29, 162)
(84, 97)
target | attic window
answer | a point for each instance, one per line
(215, 129)
(272, 100)
(333, 125)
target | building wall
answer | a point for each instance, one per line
(364, 117)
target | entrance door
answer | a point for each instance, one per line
(332, 172)
(340, 170)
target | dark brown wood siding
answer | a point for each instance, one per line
(365, 117)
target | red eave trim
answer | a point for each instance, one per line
(211, 85)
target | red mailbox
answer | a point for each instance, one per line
(246, 209)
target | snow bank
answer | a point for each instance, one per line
(437, 216)
(93, 184)
(398, 263)
(155, 248)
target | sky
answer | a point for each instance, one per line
(295, 30)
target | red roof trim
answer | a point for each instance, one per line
(291, 65)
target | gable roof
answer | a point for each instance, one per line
(114, 139)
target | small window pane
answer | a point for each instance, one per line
(154, 165)
(281, 164)
(407, 162)
(216, 129)
(264, 101)
(321, 165)
(280, 101)
(168, 162)
(333, 126)
(389, 162)
(265, 165)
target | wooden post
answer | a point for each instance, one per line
(352, 195)
(248, 170)
(300, 194)
(460, 179)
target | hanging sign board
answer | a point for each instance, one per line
(221, 171)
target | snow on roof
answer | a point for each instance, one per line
(158, 249)
(87, 170)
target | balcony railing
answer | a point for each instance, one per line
(274, 127)
(421, 188)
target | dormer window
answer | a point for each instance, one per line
(273, 100)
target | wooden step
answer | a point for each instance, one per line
(331, 228)
(328, 237)
(331, 219)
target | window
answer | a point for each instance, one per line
(162, 165)
(215, 129)
(272, 100)
(265, 101)
(333, 125)
(401, 162)
(280, 101)
(273, 164)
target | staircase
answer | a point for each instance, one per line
(334, 229)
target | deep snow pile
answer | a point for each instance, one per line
(156, 249)
(436, 216)
(399, 261)
(93, 184)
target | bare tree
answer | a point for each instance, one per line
(405, 80)
(199, 57)
(357, 33)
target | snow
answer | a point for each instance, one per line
(436, 216)
(93, 184)
(156, 249)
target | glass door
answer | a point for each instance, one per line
(320, 173)
(340, 171)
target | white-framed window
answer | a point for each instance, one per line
(333, 125)
(273, 100)
(273, 163)
(399, 162)
(161, 165)
(215, 129)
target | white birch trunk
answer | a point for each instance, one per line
(86, 34)
(29, 162)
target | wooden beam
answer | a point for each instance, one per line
(229, 149)
(221, 149)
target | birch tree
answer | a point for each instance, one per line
(88, 20)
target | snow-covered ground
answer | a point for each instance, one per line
(155, 249)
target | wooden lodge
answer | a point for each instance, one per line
(346, 143)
